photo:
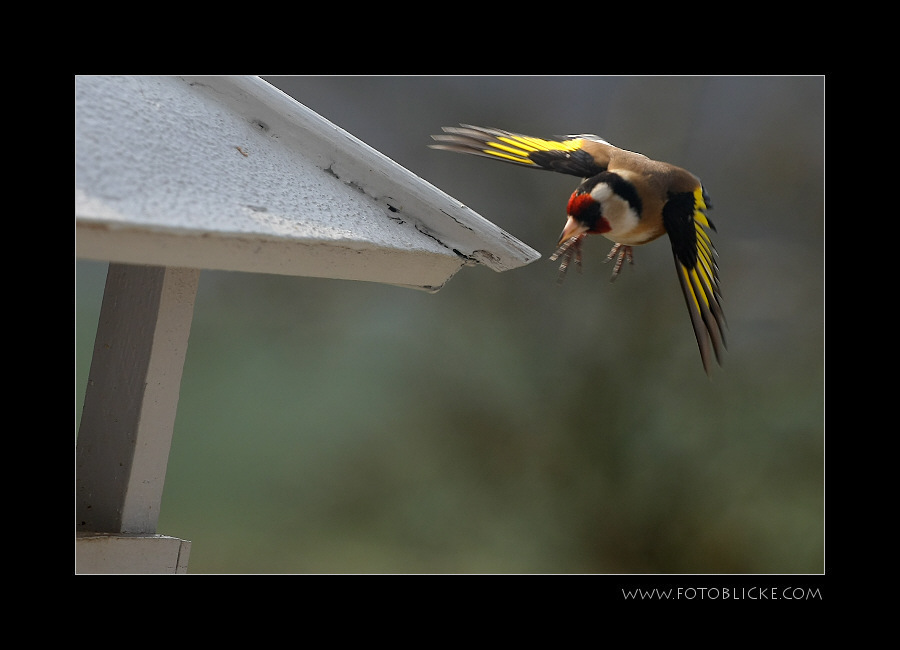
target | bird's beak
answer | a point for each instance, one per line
(573, 228)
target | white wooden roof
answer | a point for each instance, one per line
(231, 173)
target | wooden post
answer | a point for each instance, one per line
(131, 398)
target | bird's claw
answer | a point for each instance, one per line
(622, 253)
(568, 250)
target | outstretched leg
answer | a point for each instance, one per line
(622, 253)
(568, 250)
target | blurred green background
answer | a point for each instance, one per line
(507, 423)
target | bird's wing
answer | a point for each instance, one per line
(580, 155)
(687, 225)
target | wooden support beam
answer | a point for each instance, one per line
(132, 394)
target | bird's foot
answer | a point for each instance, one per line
(569, 250)
(622, 253)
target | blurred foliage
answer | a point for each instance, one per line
(507, 423)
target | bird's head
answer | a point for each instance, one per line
(604, 204)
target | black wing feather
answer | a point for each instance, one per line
(686, 223)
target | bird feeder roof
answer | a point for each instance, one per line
(231, 173)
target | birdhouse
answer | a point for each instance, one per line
(178, 174)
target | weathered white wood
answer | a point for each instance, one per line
(131, 554)
(129, 408)
(231, 173)
(175, 174)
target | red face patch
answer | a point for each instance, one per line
(579, 204)
(584, 209)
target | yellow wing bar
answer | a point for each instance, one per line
(700, 285)
(495, 143)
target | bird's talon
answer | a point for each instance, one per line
(569, 251)
(622, 254)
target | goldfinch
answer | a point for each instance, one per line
(629, 199)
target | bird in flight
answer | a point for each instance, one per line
(628, 198)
